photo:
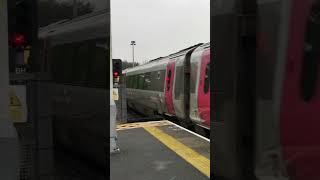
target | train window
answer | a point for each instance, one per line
(207, 79)
(157, 82)
(131, 82)
(154, 82)
(127, 81)
(135, 82)
(62, 56)
(168, 80)
(179, 83)
(158, 74)
(80, 65)
(161, 81)
(193, 76)
(309, 74)
(98, 64)
(147, 81)
(140, 81)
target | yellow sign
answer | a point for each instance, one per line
(26, 55)
(115, 94)
(17, 109)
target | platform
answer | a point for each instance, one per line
(160, 150)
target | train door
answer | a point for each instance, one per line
(169, 87)
(204, 88)
(299, 118)
(178, 95)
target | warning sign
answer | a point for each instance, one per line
(115, 94)
(18, 105)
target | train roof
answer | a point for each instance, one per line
(69, 25)
(148, 65)
(205, 44)
(165, 59)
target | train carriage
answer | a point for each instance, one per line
(145, 87)
(200, 86)
(177, 85)
(75, 55)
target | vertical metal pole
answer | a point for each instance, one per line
(9, 146)
(133, 54)
(113, 109)
(113, 115)
(133, 43)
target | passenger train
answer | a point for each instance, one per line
(75, 53)
(177, 85)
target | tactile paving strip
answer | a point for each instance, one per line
(143, 124)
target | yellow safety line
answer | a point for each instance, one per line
(191, 156)
(142, 124)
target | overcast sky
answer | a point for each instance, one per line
(159, 27)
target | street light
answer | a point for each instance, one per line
(133, 43)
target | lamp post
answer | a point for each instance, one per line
(133, 43)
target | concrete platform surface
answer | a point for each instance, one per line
(160, 151)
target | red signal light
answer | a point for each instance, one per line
(116, 74)
(18, 39)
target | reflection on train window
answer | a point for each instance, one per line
(140, 81)
(99, 65)
(157, 84)
(127, 81)
(309, 74)
(67, 9)
(207, 79)
(135, 82)
(70, 64)
(79, 75)
(84, 7)
(62, 68)
(147, 81)
(88, 6)
(161, 81)
(46, 7)
(131, 81)
(169, 80)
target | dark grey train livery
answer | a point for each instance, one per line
(75, 53)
